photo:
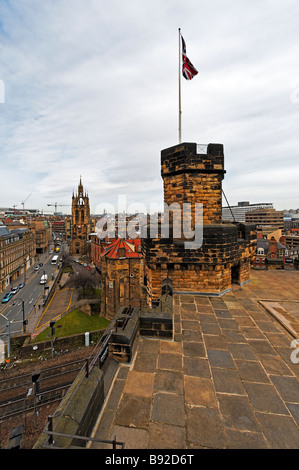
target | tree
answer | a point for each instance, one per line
(82, 280)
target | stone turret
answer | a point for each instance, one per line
(191, 178)
(194, 181)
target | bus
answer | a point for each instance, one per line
(54, 259)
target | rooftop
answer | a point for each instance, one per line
(226, 380)
(122, 249)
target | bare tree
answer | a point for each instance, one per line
(84, 280)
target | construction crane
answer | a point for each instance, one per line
(57, 205)
(23, 203)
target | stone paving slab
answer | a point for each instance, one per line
(226, 381)
(291, 320)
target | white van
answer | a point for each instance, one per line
(44, 279)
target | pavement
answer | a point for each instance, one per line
(228, 379)
(57, 307)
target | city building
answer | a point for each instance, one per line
(271, 251)
(237, 213)
(41, 227)
(291, 219)
(80, 225)
(266, 217)
(292, 239)
(97, 248)
(17, 254)
(43, 234)
(58, 226)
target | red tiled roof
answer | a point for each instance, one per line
(112, 251)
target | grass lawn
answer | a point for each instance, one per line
(73, 323)
(90, 293)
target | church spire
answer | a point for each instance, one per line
(80, 188)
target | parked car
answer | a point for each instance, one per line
(88, 267)
(14, 290)
(7, 297)
(36, 268)
(40, 265)
(22, 284)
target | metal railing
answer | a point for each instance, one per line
(51, 443)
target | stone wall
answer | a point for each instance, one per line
(77, 416)
(204, 270)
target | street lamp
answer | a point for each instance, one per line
(23, 312)
(52, 323)
(36, 387)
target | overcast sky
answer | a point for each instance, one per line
(90, 87)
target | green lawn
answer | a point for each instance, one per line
(73, 323)
(90, 293)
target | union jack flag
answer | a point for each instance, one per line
(188, 69)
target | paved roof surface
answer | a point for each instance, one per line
(227, 379)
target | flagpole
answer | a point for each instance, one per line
(180, 103)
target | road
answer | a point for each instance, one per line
(32, 294)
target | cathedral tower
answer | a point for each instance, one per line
(80, 228)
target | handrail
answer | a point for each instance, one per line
(51, 434)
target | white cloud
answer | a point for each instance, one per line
(91, 89)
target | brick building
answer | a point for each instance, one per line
(98, 247)
(227, 248)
